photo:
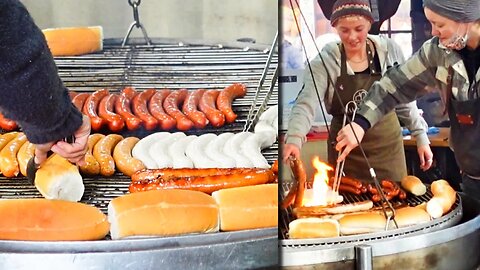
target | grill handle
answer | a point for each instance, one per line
(363, 257)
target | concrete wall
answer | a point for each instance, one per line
(212, 20)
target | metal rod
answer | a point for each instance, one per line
(363, 257)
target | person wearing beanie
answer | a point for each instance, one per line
(348, 68)
(448, 63)
(33, 94)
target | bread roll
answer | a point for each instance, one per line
(50, 220)
(162, 213)
(313, 228)
(358, 223)
(408, 216)
(74, 40)
(444, 197)
(413, 185)
(248, 207)
(57, 178)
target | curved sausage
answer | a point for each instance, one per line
(92, 167)
(155, 106)
(103, 153)
(206, 183)
(275, 167)
(290, 198)
(79, 100)
(122, 107)
(207, 106)
(388, 184)
(225, 98)
(171, 106)
(349, 189)
(8, 156)
(122, 154)
(105, 111)
(140, 109)
(7, 124)
(190, 108)
(351, 182)
(91, 106)
(26, 152)
(300, 175)
(72, 94)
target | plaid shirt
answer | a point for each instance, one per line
(303, 111)
(425, 71)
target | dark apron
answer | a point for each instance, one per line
(382, 143)
(465, 136)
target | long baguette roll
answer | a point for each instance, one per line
(50, 220)
(408, 216)
(413, 185)
(357, 223)
(313, 228)
(162, 213)
(444, 197)
(248, 207)
(59, 179)
(71, 41)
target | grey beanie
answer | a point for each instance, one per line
(456, 10)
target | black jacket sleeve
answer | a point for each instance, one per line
(31, 91)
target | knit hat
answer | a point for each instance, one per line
(343, 8)
(456, 10)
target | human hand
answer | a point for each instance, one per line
(346, 139)
(426, 157)
(74, 152)
(290, 149)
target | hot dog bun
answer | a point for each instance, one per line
(444, 197)
(59, 179)
(50, 220)
(74, 40)
(408, 216)
(313, 228)
(162, 213)
(358, 223)
(249, 207)
(413, 185)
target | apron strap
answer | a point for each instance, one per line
(448, 95)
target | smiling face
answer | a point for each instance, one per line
(445, 29)
(353, 31)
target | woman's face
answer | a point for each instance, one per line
(353, 31)
(443, 28)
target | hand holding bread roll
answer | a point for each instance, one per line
(50, 220)
(444, 197)
(413, 185)
(313, 228)
(57, 178)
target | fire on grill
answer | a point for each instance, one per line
(318, 211)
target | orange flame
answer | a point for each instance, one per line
(321, 192)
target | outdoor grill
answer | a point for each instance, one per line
(444, 243)
(171, 64)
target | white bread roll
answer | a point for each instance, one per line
(408, 216)
(444, 197)
(413, 185)
(57, 178)
(358, 223)
(313, 228)
(50, 220)
(162, 213)
(70, 41)
(248, 207)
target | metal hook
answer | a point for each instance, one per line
(136, 23)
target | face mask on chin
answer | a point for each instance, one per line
(457, 42)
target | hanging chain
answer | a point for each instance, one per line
(136, 23)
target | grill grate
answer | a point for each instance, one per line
(448, 220)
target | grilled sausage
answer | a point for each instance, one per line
(8, 156)
(349, 189)
(79, 100)
(122, 154)
(190, 108)
(155, 106)
(300, 175)
(26, 152)
(102, 151)
(90, 108)
(91, 167)
(7, 124)
(206, 183)
(226, 97)
(72, 94)
(378, 198)
(290, 198)
(105, 111)
(208, 107)
(402, 195)
(171, 106)
(122, 107)
(351, 182)
(152, 174)
(140, 109)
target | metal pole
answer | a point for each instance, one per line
(363, 257)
